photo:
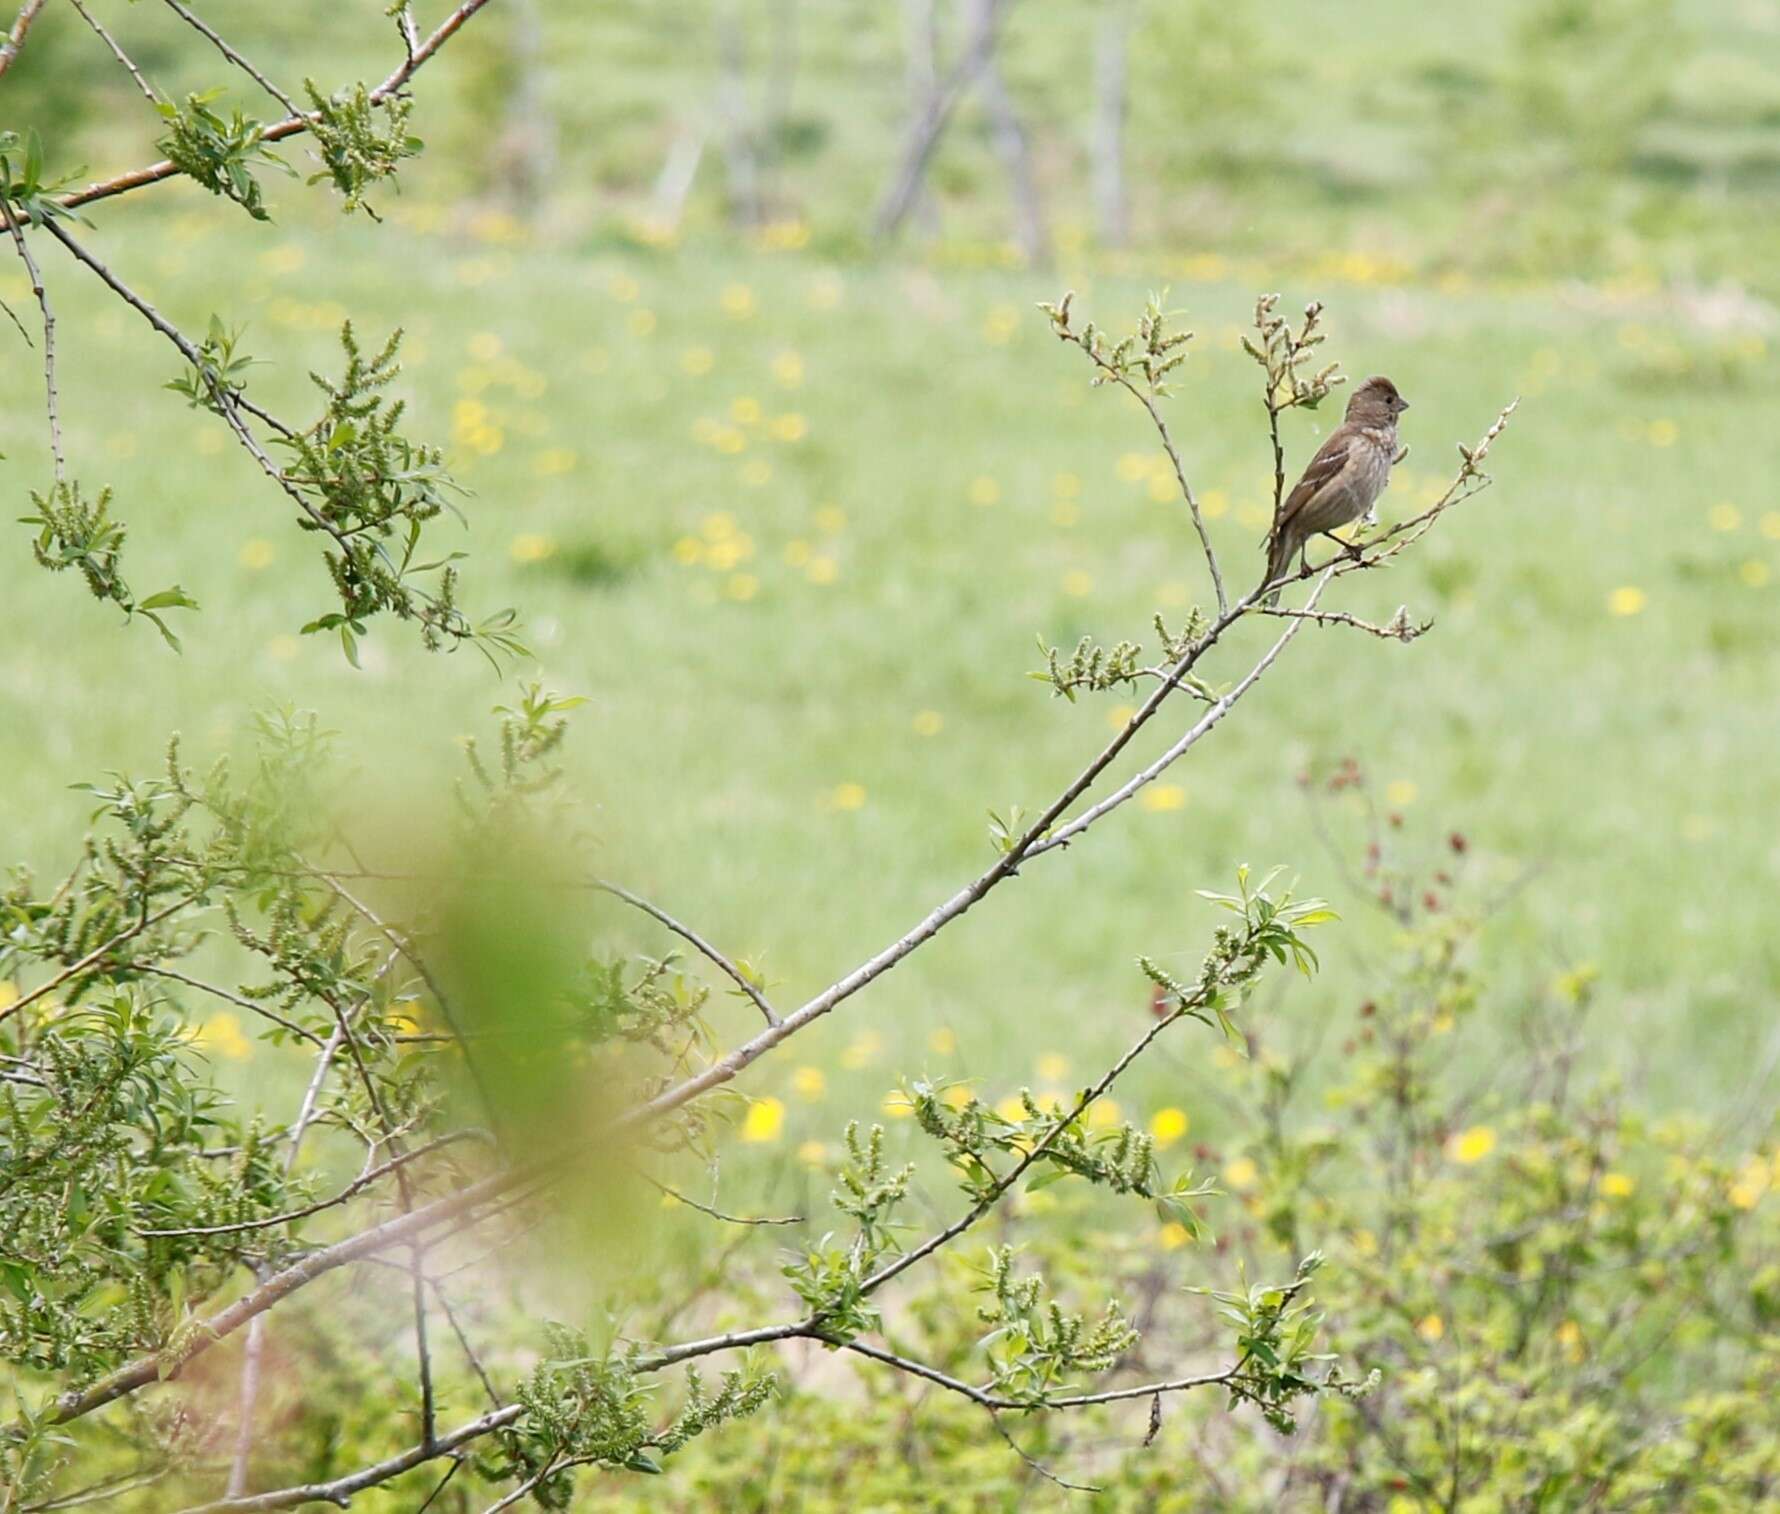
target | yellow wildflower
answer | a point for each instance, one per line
(1472, 1145)
(1168, 1125)
(764, 1121)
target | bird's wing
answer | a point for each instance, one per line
(1331, 458)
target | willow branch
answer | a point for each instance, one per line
(356, 1186)
(252, 1006)
(462, 1208)
(1199, 730)
(97, 955)
(992, 1196)
(225, 398)
(341, 1489)
(292, 125)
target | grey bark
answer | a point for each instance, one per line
(1107, 148)
(930, 118)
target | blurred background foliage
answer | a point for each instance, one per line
(789, 502)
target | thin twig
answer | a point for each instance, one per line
(508, 1500)
(49, 338)
(95, 956)
(294, 124)
(686, 933)
(1038, 1466)
(1398, 628)
(356, 1186)
(1180, 469)
(463, 1340)
(252, 1006)
(1112, 372)
(197, 23)
(405, 27)
(225, 398)
(117, 52)
(718, 1214)
(110, 1488)
(13, 316)
(456, 1466)
(404, 944)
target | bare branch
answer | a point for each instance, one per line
(1398, 628)
(117, 52)
(49, 338)
(718, 1214)
(930, 125)
(341, 1489)
(13, 40)
(1113, 374)
(248, 1397)
(1038, 1466)
(1219, 709)
(198, 24)
(252, 1006)
(922, 1370)
(686, 933)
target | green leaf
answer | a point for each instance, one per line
(165, 630)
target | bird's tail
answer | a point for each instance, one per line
(1279, 563)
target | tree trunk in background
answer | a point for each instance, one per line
(1107, 152)
(528, 143)
(1012, 147)
(930, 118)
(741, 158)
(781, 83)
(673, 185)
(921, 73)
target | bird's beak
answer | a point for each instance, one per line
(1402, 404)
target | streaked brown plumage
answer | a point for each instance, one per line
(1343, 480)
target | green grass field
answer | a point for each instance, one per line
(792, 520)
(794, 527)
(791, 510)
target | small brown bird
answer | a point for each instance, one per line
(1343, 480)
